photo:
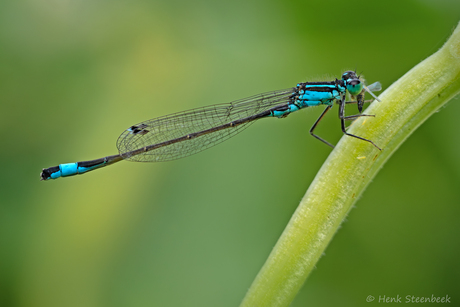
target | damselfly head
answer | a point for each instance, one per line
(352, 82)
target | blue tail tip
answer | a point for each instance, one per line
(46, 172)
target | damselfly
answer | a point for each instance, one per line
(185, 133)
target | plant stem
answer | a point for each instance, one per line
(348, 170)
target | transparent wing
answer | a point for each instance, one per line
(375, 87)
(170, 127)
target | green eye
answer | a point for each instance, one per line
(354, 86)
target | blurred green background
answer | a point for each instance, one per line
(195, 232)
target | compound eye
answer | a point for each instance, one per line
(354, 86)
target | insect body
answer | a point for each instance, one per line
(185, 133)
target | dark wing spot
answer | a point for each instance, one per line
(139, 129)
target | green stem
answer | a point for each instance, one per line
(348, 170)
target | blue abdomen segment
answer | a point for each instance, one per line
(71, 169)
(285, 110)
